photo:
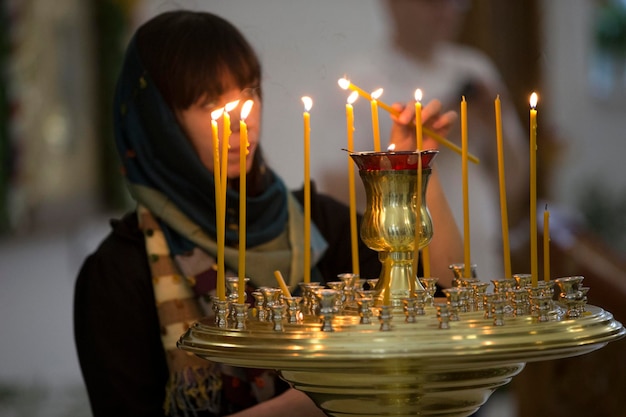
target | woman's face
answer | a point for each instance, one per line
(196, 123)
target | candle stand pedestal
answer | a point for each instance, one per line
(413, 368)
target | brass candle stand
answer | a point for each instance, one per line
(361, 352)
(406, 365)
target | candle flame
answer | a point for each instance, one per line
(343, 83)
(246, 108)
(418, 95)
(216, 114)
(391, 147)
(533, 100)
(231, 106)
(376, 94)
(352, 97)
(308, 103)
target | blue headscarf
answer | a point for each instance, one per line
(157, 155)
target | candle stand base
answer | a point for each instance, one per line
(413, 368)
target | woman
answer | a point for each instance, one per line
(147, 281)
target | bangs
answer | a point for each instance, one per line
(197, 55)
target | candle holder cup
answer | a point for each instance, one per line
(391, 218)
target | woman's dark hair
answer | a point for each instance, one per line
(196, 55)
(193, 55)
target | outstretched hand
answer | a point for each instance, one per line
(403, 134)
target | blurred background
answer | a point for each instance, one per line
(60, 181)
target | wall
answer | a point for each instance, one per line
(592, 129)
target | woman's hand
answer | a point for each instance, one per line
(403, 134)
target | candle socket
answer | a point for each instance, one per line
(443, 316)
(259, 305)
(458, 269)
(278, 315)
(430, 285)
(232, 286)
(365, 309)
(293, 308)
(385, 318)
(271, 298)
(410, 308)
(221, 313)
(327, 299)
(571, 295)
(309, 302)
(241, 315)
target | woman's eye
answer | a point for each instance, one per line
(211, 105)
(249, 93)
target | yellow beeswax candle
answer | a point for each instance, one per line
(221, 279)
(308, 103)
(534, 268)
(243, 153)
(226, 132)
(418, 215)
(466, 223)
(352, 192)
(546, 244)
(281, 283)
(418, 120)
(225, 146)
(375, 127)
(506, 247)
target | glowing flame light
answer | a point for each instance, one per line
(343, 83)
(231, 106)
(246, 108)
(418, 95)
(308, 103)
(533, 100)
(352, 97)
(216, 114)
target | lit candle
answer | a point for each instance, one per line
(375, 128)
(418, 119)
(546, 244)
(418, 220)
(347, 85)
(221, 238)
(221, 279)
(281, 283)
(533, 190)
(466, 222)
(308, 103)
(352, 193)
(225, 146)
(503, 208)
(243, 154)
